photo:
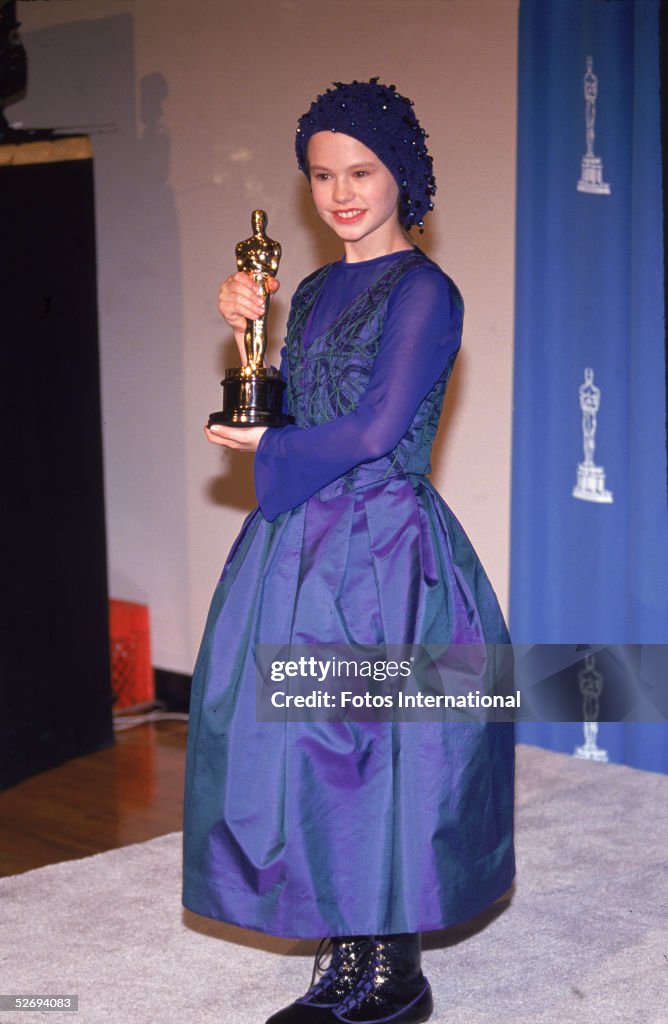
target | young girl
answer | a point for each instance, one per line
(364, 832)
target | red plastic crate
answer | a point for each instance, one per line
(132, 679)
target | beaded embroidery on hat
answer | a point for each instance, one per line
(383, 120)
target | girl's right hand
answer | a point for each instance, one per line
(239, 299)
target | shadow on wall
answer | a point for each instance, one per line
(82, 79)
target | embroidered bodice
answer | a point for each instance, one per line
(370, 347)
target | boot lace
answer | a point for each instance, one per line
(325, 949)
(347, 957)
(374, 975)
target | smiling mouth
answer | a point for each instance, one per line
(348, 215)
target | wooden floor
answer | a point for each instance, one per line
(126, 794)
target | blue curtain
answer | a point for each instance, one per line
(589, 515)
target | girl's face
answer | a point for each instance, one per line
(356, 195)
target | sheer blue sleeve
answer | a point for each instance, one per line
(422, 331)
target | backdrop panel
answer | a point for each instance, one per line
(589, 518)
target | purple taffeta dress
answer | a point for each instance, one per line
(307, 829)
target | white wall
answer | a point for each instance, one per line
(192, 109)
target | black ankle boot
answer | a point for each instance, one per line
(391, 986)
(349, 957)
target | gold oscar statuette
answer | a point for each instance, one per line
(253, 394)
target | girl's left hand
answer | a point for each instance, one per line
(242, 439)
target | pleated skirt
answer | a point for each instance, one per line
(307, 829)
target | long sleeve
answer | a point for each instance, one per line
(422, 331)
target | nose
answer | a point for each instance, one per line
(343, 190)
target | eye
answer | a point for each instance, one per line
(321, 176)
(361, 174)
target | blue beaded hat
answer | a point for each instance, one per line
(383, 120)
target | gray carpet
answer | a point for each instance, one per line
(583, 939)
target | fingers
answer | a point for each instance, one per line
(242, 439)
(240, 299)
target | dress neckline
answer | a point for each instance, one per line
(328, 273)
(376, 261)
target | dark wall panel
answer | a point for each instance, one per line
(55, 695)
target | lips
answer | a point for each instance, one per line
(348, 216)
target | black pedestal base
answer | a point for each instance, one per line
(252, 400)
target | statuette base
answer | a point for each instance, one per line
(252, 399)
(591, 484)
(591, 176)
(591, 753)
